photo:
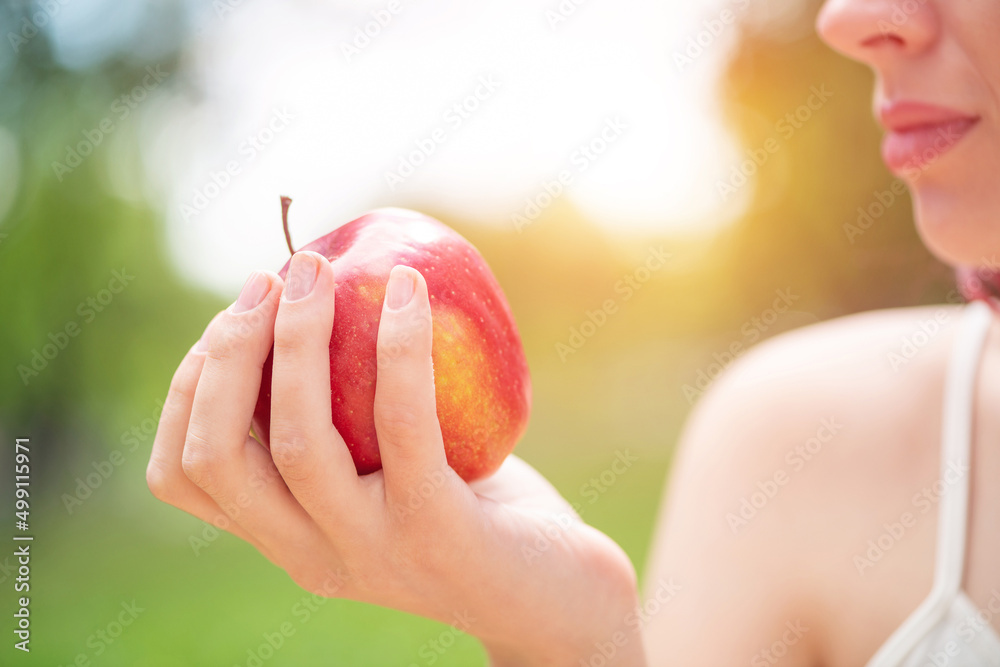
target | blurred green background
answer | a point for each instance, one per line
(628, 388)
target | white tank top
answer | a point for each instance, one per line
(948, 629)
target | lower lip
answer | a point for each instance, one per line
(917, 149)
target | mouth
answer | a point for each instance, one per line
(918, 134)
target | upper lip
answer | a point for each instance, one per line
(904, 115)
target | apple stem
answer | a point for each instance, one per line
(285, 203)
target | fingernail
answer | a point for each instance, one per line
(301, 276)
(254, 291)
(400, 289)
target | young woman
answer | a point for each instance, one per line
(833, 500)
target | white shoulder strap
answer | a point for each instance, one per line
(956, 438)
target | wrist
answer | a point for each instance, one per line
(606, 634)
(620, 649)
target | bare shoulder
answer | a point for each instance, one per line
(880, 343)
(868, 384)
(791, 462)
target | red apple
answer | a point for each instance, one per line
(480, 373)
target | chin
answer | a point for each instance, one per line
(960, 229)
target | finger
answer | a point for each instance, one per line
(219, 457)
(238, 343)
(306, 448)
(406, 422)
(164, 474)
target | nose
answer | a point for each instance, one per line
(877, 31)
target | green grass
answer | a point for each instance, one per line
(206, 609)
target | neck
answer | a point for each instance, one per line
(980, 284)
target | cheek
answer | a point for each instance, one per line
(975, 24)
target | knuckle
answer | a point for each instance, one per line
(159, 483)
(388, 352)
(228, 340)
(398, 421)
(292, 318)
(407, 334)
(298, 342)
(199, 463)
(290, 450)
(232, 334)
(404, 349)
(298, 325)
(183, 384)
(287, 342)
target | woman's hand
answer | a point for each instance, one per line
(505, 559)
